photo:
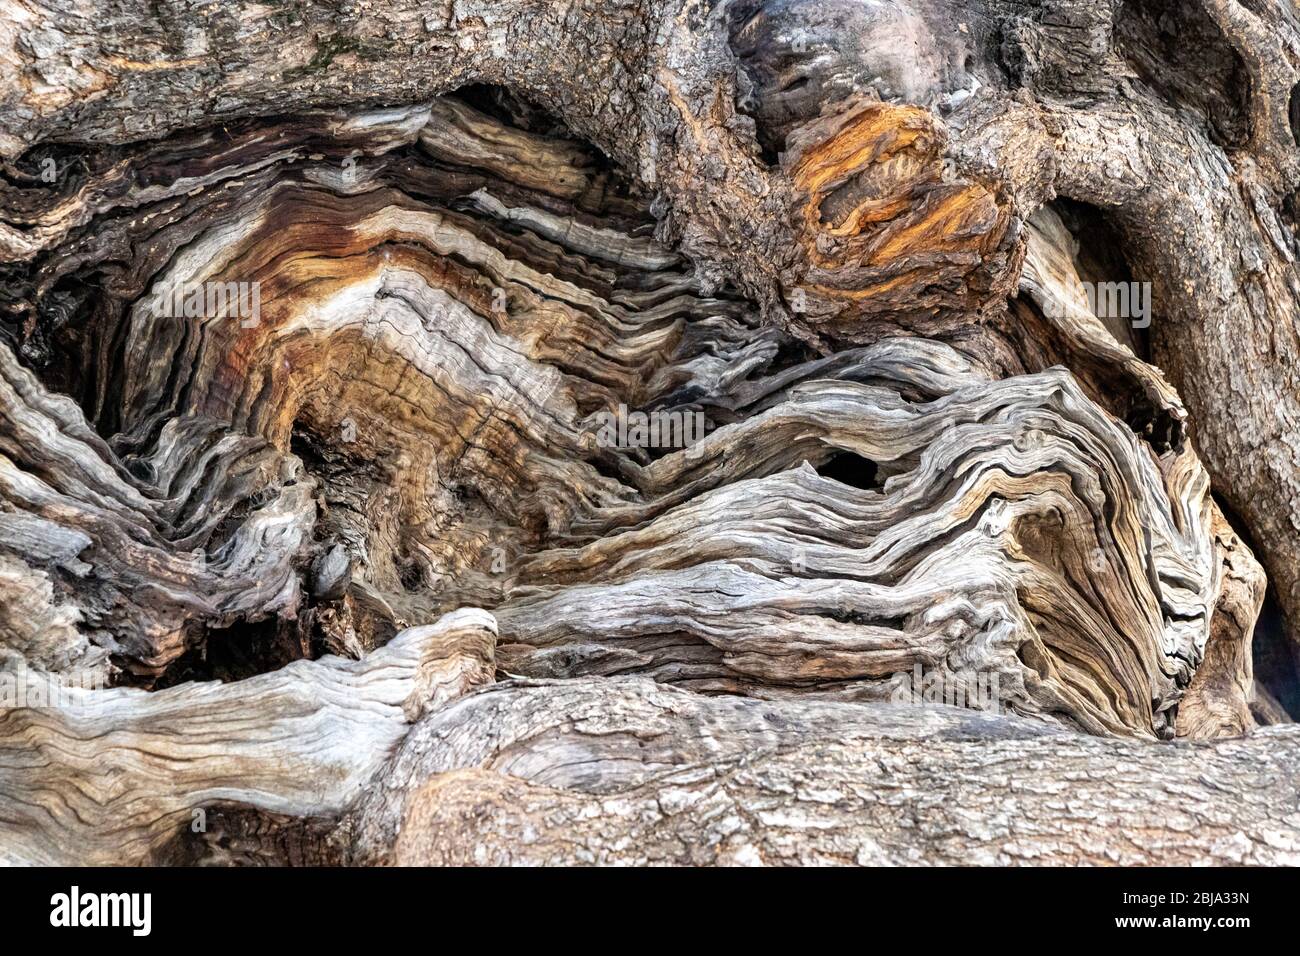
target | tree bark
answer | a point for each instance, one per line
(623, 772)
(112, 776)
(837, 255)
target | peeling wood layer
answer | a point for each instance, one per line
(634, 433)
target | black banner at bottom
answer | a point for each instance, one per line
(338, 906)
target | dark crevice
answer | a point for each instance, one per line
(1101, 261)
(1294, 112)
(1127, 304)
(511, 109)
(238, 652)
(1274, 663)
(1178, 51)
(850, 469)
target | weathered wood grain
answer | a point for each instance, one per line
(846, 243)
(627, 772)
(110, 777)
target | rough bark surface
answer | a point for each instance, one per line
(622, 772)
(837, 254)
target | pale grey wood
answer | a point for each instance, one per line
(832, 229)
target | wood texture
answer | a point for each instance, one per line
(835, 253)
(625, 772)
(114, 775)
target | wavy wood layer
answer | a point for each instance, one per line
(465, 335)
(292, 525)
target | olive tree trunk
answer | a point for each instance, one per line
(737, 432)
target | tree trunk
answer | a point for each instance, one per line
(793, 354)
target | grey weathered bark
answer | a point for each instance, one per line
(850, 239)
(110, 776)
(627, 772)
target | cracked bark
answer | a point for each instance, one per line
(850, 239)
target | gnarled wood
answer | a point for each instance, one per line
(318, 328)
(604, 772)
(110, 776)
